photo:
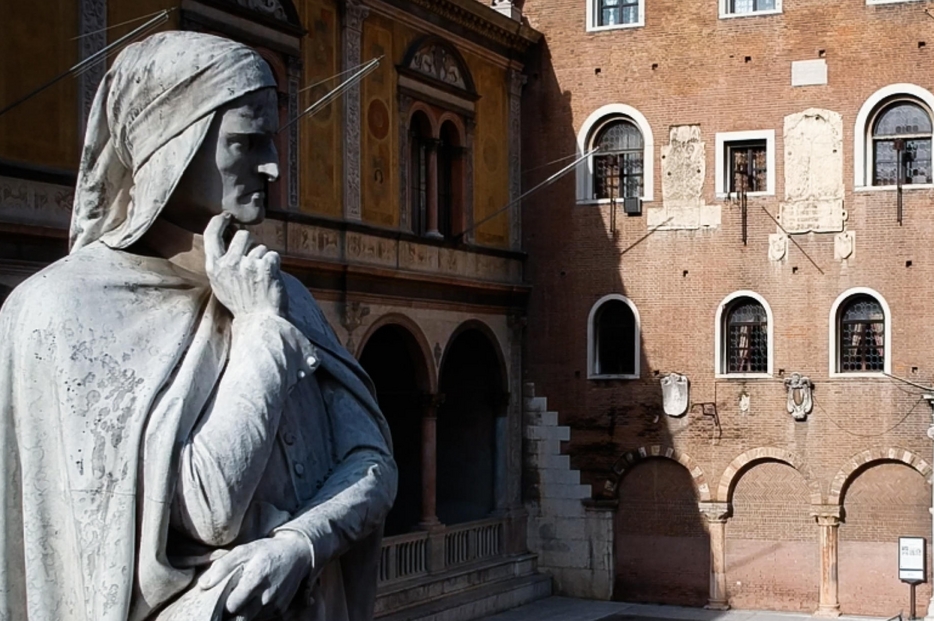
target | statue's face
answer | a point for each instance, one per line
(230, 171)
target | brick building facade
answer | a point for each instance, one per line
(781, 152)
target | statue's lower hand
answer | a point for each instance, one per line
(245, 281)
(273, 569)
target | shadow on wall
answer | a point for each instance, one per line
(577, 254)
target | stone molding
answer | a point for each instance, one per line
(472, 19)
(36, 203)
(354, 15)
(631, 458)
(864, 458)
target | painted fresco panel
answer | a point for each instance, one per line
(320, 135)
(491, 154)
(378, 161)
(39, 46)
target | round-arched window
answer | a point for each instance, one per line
(862, 335)
(901, 144)
(618, 162)
(747, 338)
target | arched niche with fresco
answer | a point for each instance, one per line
(436, 93)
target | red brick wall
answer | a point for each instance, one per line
(678, 278)
(771, 551)
(658, 521)
(883, 503)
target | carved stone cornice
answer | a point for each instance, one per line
(482, 20)
(715, 512)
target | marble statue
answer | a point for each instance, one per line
(183, 437)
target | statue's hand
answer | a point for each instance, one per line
(244, 282)
(273, 569)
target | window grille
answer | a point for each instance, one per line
(617, 12)
(862, 335)
(618, 164)
(901, 141)
(614, 339)
(750, 6)
(748, 168)
(747, 344)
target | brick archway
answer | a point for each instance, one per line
(766, 453)
(631, 458)
(865, 458)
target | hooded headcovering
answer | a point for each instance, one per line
(149, 117)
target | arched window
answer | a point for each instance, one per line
(613, 339)
(901, 144)
(747, 337)
(618, 163)
(622, 167)
(862, 335)
(743, 336)
(450, 181)
(420, 143)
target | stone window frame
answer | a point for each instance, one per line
(725, 12)
(719, 357)
(834, 334)
(588, 132)
(593, 15)
(862, 132)
(591, 343)
(724, 138)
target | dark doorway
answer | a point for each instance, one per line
(471, 382)
(392, 359)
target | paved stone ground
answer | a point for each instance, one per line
(567, 609)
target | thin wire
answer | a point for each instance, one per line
(82, 66)
(867, 435)
(791, 237)
(551, 179)
(336, 92)
(129, 21)
(143, 32)
(929, 389)
(547, 164)
(336, 75)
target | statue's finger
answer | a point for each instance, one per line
(258, 252)
(247, 590)
(220, 569)
(214, 239)
(272, 260)
(239, 244)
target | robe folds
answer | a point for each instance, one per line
(108, 362)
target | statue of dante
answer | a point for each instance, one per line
(183, 437)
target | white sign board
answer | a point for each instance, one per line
(911, 559)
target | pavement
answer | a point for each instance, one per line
(568, 609)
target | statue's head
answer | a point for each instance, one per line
(182, 127)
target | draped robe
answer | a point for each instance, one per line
(109, 362)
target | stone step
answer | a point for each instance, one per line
(548, 419)
(442, 586)
(481, 601)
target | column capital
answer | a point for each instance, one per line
(431, 401)
(716, 512)
(827, 515)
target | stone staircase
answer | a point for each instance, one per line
(465, 593)
(571, 533)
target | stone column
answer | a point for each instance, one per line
(717, 514)
(828, 521)
(354, 15)
(430, 404)
(432, 216)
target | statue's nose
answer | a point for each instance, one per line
(270, 170)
